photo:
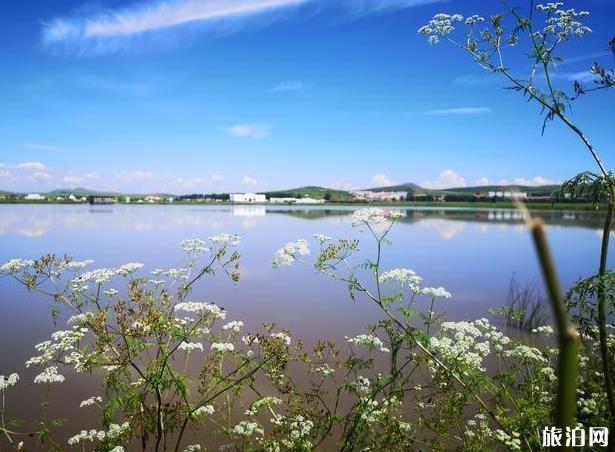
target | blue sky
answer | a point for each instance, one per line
(224, 95)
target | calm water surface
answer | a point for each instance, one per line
(472, 253)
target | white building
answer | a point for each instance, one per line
(247, 197)
(34, 197)
(367, 195)
(282, 200)
(308, 200)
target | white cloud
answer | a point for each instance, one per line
(138, 176)
(446, 179)
(118, 29)
(454, 111)
(42, 147)
(534, 181)
(482, 181)
(217, 179)
(41, 176)
(471, 80)
(254, 131)
(381, 180)
(248, 181)
(31, 166)
(582, 76)
(5, 174)
(76, 179)
(112, 30)
(183, 183)
(294, 85)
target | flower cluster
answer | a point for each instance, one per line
(49, 375)
(440, 25)
(403, 276)
(222, 347)
(114, 432)
(7, 382)
(204, 309)
(369, 340)
(563, 23)
(288, 254)
(374, 216)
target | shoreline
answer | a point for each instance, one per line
(402, 204)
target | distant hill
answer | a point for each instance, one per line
(311, 191)
(401, 187)
(76, 191)
(534, 190)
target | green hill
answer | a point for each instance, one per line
(409, 186)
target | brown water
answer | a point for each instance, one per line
(472, 253)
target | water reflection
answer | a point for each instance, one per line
(37, 221)
(472, 253)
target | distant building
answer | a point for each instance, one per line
(100, 199)
(282, 200)
(367, 195)
(34, 197)
(153, 198)
(247, 197)
(308, 200)
(126, 199)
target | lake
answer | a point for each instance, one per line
(473, 253)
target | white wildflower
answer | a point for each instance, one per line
(222, 347)
(49, 375)
(90, 401)
(7, 382)
(235, 326)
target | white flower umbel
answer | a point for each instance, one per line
(49, 375)
(282, 336)
(248, 428)
(193, 448)
(222, 347)
(234, 325)
(205, 309)
(203, 410)
(225, 239)
(15, 265)
(7, 382)
(193, 246)
(288, 254)
(435, 292)
(190, 346)
(403, 276)
(91, 401)
(266, 401)
(369, 340)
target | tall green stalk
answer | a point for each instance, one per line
(567, 336)
(604, 352)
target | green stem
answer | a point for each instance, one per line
(567, 336)
(608, 384)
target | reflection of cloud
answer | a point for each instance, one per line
(447, 229)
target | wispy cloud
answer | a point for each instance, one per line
(534, 181)
(42, 147)
(293, 85)
(31, 166)
(248, 181)
(580, 76)
(254, 131)
(381, 180)
(446, 179)
(453, 111)
(114, 30)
